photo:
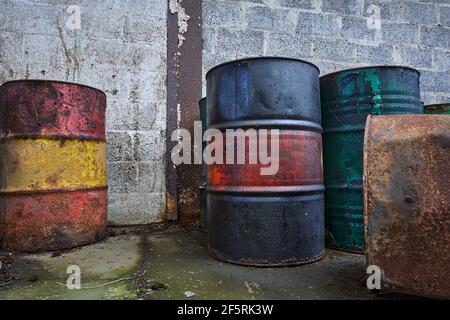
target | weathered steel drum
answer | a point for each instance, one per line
(442, 108)
(267, 220)
(53, 189)
(347, 98)
(407, 204)
(203, 215)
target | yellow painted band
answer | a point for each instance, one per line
(47, 164)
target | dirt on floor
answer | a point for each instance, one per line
(167, 261)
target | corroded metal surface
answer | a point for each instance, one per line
(35, 108)
(54, 220)
(46, 164)
(347, 98)
(443, 108)
(184, 90)
(407, 204)
(53, 169)
(267, 220)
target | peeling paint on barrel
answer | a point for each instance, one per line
(407, 204)
(347, 98)
(53, 188)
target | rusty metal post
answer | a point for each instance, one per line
(184, 86)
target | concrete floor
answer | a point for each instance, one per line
(171, 263)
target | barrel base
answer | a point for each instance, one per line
(248, 263)
(36, 222)
(266, 230)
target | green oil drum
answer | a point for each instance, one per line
(347, 98)
(442, 108)
(202, 187)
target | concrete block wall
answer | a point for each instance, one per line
(335, 34)
(120, 48)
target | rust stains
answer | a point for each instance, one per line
(407, 204)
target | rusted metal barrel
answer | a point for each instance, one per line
(203, 215)
(267, 220)
(407, 204)
(442, 108)
(347, 98)
(53, 189)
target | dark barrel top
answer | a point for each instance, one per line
(257, 91)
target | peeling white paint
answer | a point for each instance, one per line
(178, 115)
(175, 7)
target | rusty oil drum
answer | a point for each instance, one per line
(347, 98)
(441, 108)
(407, 204)
(53, 188)
(267, 220)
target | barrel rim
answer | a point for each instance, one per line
(434, 105)
(54, 81)
(260, 58)
(371, 67)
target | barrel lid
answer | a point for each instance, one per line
(261, 58)
(370, 67)
(53, 81)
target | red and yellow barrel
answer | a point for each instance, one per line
(53, 187)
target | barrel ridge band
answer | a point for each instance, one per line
(59, 190)
(51, 136)
(268, 189)
(269, 123)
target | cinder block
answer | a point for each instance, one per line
(339, 51)
(242, 42)
(264, 18)
(295, 46)
(434, 81)
(131, 56)
(208, 39)
(22, 17)
(316, 24)
(221, 14)
(149, 145)
(150, 116)
(415, 57)
(444, 12)
(381, 54)
(357, 29)
(121, 115)
(151, 177)
(442, 60)
(353, 7)
(135, 208)
(122, 176)
(140, 28)
(396, 33)
(119, 146)
(419, 13)
(11, 48)
(301, 4)
(435, 36)
(45, 49)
